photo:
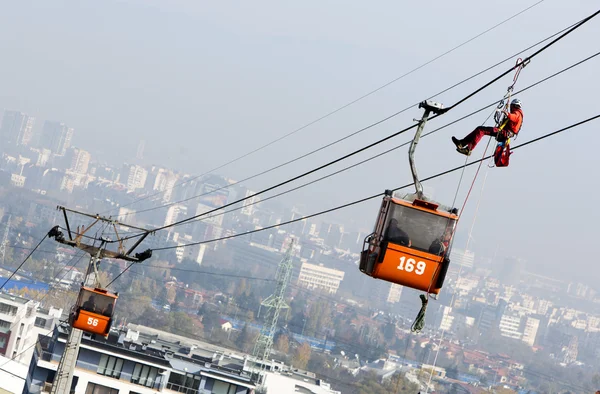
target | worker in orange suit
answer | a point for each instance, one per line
(512, 128)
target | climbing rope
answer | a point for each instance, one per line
(471, 229)
(500, 117)
(419, 322)
(459, 273)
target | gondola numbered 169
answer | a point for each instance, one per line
(410, 244)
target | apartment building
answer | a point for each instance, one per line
(318, 277)
(135, 362)
(20, 324)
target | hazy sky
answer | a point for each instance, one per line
(204, 82)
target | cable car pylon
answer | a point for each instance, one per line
(94, 309)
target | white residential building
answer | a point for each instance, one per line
(510, 326)
(319, 277)
(464, 258)
(20, 324)
(530, 331)
(131, 361)
(249, 204)
(447, 319)
(173, 213)
(80, 161)
(165, 182)
(394, 294)
(137, 178)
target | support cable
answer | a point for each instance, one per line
(331, 143)
(518, 65)
(359, 99)
(574, 125)
(24, 261)
(397, 146)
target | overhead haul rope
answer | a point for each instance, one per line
(355, 202)
(364, 148)
(397, 146)
(357, 100)
(333, 142)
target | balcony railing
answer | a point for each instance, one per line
(187, 390)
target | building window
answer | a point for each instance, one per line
(93, 388)
(110, 366)
(4, 326)
(40, 322)
(144, 375)
(220, 387)
(188, 383)
(21, 329)
(8, 309)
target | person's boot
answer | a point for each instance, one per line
(464, 150)
(457, 142)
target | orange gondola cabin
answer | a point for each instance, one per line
(93, 311)
(410, 244)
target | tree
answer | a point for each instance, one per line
(371, 384)
(245, 339)
(317, 363)
(452, 372)
(180, 296)
(163, 298)
(171, 294)
(319, 318)
(210, 321)
(302, 356)
(182, 323)
(389, 331)
(283, 344)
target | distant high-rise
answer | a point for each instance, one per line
(331, 233)
(173, 212)
(508, 273)
(165, 181)
(56, 136)
(80, 161)
(394, 293)
(324, 230)
(352, 241)
(249, 204)
(16, 128)
(464, 258)
(140, 150)
(136, 178)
